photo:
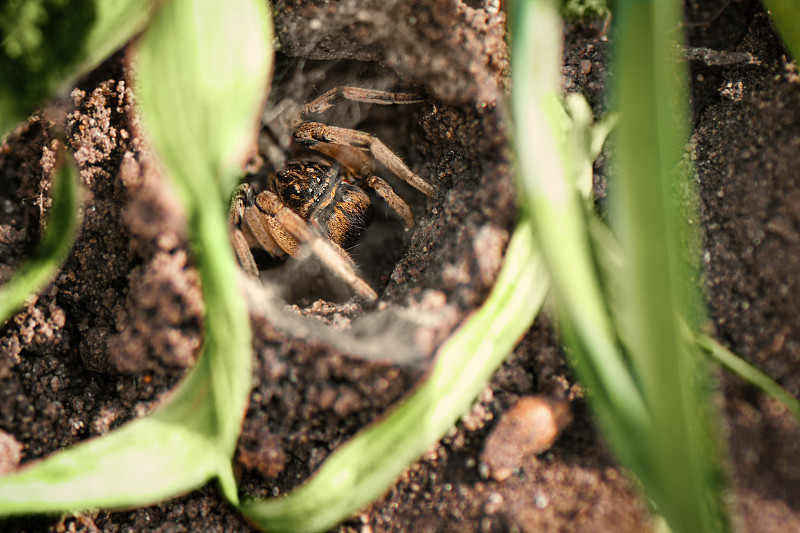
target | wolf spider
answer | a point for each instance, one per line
(318, 201)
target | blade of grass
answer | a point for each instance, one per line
(367, 464)
(549, 178)
(191, 438)
(45, 46)
(637, 429)
(747, 371)
(198, 101)
(612, 262)
(659, 286)
(57, 239)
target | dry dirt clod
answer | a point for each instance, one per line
(530, 427)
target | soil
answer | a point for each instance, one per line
(121, 322)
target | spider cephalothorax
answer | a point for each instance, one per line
(318, 202)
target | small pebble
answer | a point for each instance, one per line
(530, 427)
(10, 453)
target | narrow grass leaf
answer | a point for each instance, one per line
(659, 286)
(56, 241)
(46, 45)
(550, 157)
(747, 371)
(367, 464)
(203, 68)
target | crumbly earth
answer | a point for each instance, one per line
(121, 322)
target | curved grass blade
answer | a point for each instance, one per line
(191, 438)
(45, 45)
(364, 467)
(202, 75)
(56, 242)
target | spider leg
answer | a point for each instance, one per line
(398, 205)
(256, 228)
(283, 223)
(251, 227)
(240, 245)
(314, 133)
(268, 233)
(243, 253)
(354, 94)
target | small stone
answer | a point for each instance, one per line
(530, 427)
(10, 453)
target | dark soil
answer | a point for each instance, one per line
(121, 322)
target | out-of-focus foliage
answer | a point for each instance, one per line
(190, 438)
(624, 323)
(786, 15)
(46, 44)
(576, 9)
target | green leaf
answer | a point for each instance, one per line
(747, 371)
(654, 205)
(649, 401)
(198, 94)
(57, 239)
(786, 14)
(45, 45)
(191, 437)
(201, 77)
(364, 467)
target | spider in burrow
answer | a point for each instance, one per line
(318, 201)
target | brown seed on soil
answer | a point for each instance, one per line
(530, 427)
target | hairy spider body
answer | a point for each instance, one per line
(319, 202)
(318, 192)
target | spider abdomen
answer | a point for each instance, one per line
(346, 215)
(317, 191)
